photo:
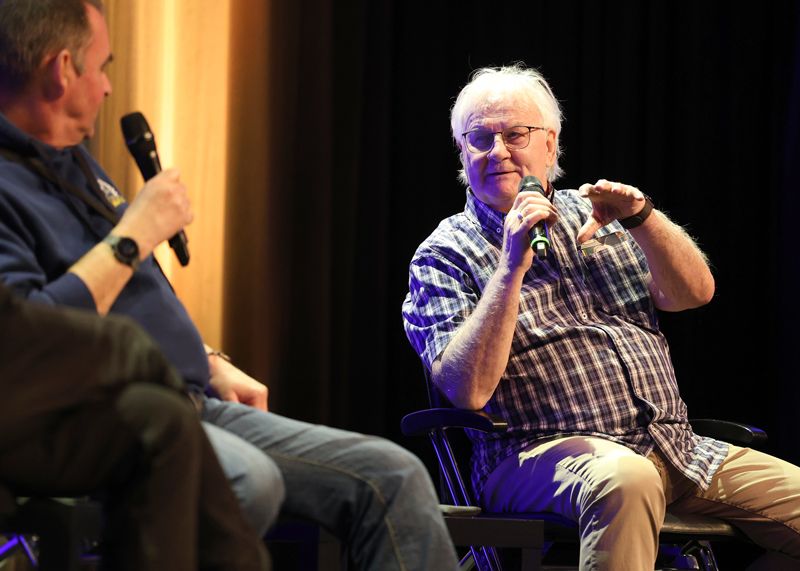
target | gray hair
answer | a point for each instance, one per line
(30, 30)
(492, 84)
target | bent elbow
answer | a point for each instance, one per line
(705, 292)
(473, 404)
(468, 400)
(706, 297)
(691, 297)
(468, 390)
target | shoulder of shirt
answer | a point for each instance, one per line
(13, 177)
(444, 241)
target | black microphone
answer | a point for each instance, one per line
(540, 239)
(142, 145)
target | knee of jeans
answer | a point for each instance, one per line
(398, 470)
(255, 479)
(260, 489)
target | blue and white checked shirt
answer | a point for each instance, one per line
(587, 355)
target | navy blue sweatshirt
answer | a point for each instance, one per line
(44, 230)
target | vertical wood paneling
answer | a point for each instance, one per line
(171, 63)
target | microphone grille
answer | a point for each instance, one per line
(135, 129)
(532, 183)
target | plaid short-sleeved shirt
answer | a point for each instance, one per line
(587, 355)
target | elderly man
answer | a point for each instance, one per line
(66, 237)
(90, 405)
(566, 346)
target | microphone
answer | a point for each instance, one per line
(540, 241)
(142, 145)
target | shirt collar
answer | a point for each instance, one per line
(490, 220)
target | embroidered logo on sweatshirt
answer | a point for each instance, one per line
(112, 194)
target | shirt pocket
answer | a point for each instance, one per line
(617, 277)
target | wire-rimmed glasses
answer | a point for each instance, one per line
(514, 138)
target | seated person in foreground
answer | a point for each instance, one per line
(567, 348)
(90, 405)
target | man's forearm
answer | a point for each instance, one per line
(681, 276)
(473, 362)
(103, 274)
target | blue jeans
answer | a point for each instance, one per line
(374, 495)
(255, 479)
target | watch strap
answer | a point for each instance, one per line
(638, 219)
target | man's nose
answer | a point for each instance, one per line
(499, 148)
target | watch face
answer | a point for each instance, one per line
(127, 248)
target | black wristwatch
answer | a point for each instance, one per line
(638, 218)
(125, 249)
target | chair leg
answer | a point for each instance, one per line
(531, 560)
(311, 547)
(702, 551)
(467, 563)
(26, 547)
(485, 558)
(64, 529)
(15, 542)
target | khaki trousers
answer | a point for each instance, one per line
(619, 498)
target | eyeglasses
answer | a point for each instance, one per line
(514, 138)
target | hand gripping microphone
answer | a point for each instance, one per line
(142, 145)
(540, 241)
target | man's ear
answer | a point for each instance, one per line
(551, 147)
(462, 154)
(59, 71)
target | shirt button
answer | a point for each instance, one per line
(584, 315)
(499, 230)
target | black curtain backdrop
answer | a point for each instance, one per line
(696, 103)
